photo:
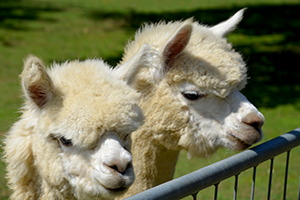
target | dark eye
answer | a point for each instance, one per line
(192, 95)
(65, 142)
(126, 136)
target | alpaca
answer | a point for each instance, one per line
(190, 96)
(72, 139)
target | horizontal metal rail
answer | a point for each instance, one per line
(216, 172)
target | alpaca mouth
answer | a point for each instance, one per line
(242, 144)
(120, 189)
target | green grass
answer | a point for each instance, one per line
(73, 29)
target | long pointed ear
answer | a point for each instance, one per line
(37, 85)
(223, 28)
(145, 56)
(177, 42)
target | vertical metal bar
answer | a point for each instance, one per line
(236, 186)
(286, 173)
(194, 196)
(216, 191)
(209, 175)
(253, 183)
(270, 178)
(299, 190)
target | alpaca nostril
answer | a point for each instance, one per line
(253, 120)
(114, 167)
(119, 166)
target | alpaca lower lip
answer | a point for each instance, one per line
(239, 140)
(121, 186)
(120, 189)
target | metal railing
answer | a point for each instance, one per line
(213, 174)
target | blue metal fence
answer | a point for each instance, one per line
(213, 174)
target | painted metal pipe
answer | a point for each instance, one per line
(216, 172)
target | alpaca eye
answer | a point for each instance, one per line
(192, 95)
(65, 142)
(126, 136)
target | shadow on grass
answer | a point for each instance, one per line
(273, 64)
(13, 13)
(268, 38)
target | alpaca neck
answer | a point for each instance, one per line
(153, 164)
(155, 146)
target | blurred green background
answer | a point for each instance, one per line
(268, 38)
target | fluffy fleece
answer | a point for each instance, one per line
(190, 97)
(74, 125)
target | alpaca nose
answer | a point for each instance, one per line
(120, 164)
(254, 120)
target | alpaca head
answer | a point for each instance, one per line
(77, 118)
(190, 86)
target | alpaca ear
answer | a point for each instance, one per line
(37, 85)
(223, 28)
(176, 44)
(144, 57)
